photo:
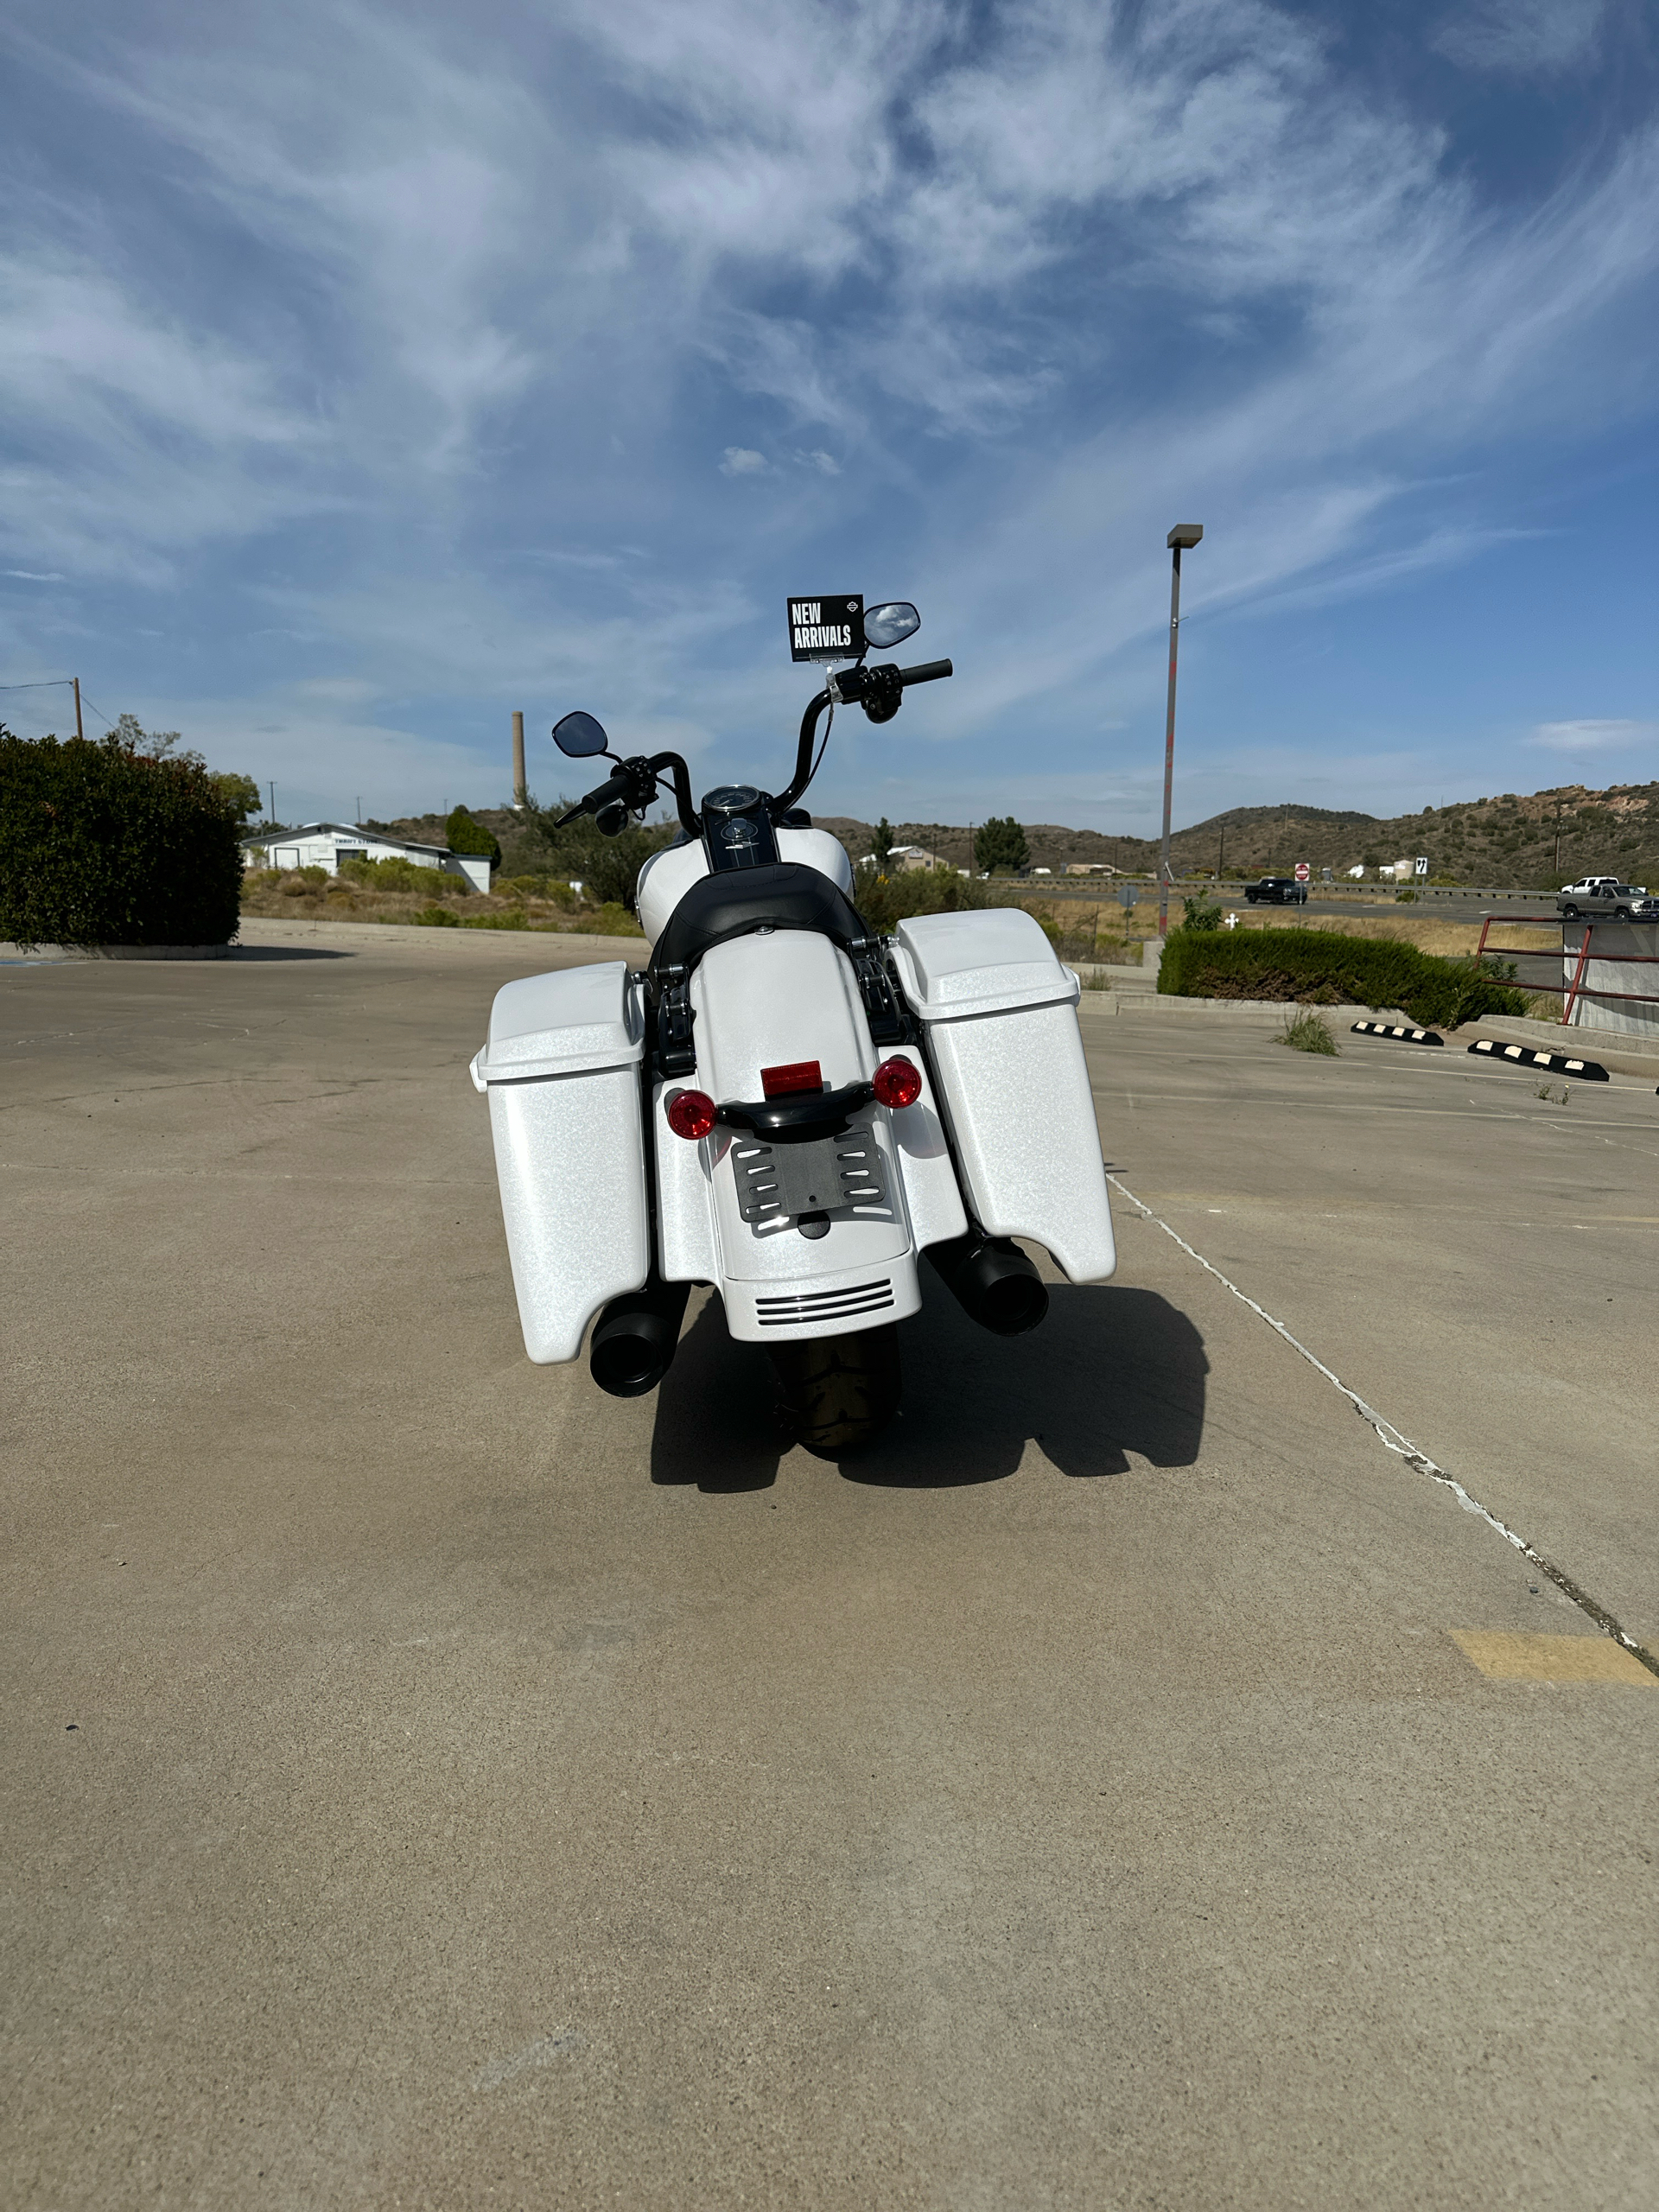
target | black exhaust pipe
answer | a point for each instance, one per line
(635, 1338)
(993, 1282)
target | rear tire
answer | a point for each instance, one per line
(838, 1393)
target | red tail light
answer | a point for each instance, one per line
(795, 1074)
(898, 1082)
(691, 1114)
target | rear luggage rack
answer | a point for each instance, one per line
(883, 1007)
(676, 1052)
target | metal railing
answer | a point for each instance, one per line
(1570, 993)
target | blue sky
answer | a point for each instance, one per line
(366, 372)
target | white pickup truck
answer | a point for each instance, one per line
(1604, 897)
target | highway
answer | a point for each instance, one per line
(1150, 1778)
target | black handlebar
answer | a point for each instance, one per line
(633, 784)
(876, 690)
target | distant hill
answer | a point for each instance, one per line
(1524, 840)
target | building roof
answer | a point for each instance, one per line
(345, 830)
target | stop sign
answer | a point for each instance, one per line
(1304, 874)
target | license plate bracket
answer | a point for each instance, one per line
(780, 1182)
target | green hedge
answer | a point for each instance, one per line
(102, 844)
(1322, 967)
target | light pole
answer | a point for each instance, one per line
(1184, 535)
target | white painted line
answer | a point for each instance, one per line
(1400, 1445)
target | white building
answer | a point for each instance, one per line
(902, 858)
(325, 844)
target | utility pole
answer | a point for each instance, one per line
(271, 788)
(357, 825)
(1184, 534)
(518, 793)
(75, 680)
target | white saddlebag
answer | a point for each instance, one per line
(1000, 1017)
(561, 1072)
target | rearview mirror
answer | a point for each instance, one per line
(888, 625)
(578, 735)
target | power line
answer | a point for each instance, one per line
(47, 684)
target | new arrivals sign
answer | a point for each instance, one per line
(826, 629)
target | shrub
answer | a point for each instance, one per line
(1200, 915)
(102, 844)
(463, 835)
(436, 918)
(886, 900)
(609, 867)
(538, 886)
(614, 919)
(1000, 843)
(395, 874)
(1320, 968)
(1306, 1032)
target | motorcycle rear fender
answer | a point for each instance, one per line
(769, 999)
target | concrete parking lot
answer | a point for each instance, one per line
(1137, 1782)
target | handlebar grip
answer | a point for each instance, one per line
(613, 788)
(929, 672)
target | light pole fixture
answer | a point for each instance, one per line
(1182, 538)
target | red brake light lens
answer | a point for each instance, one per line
(691, 1114)
(898, 1082)
(795, 1074)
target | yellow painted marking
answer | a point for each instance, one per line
(1514, 1658)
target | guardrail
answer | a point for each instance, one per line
(1570, 993)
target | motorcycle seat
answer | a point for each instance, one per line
(787, 895)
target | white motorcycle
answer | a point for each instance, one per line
(786, 1106)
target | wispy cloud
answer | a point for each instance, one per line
(454, 358)
(1519, 37)
(1612, 736)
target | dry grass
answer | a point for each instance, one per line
(1306, 1032)
(298, 896)
(1428, 932)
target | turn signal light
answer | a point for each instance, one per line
(898, 1082)
(691, 1114)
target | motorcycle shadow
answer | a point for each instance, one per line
(1110, 1371)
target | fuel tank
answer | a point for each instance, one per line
(668, 875)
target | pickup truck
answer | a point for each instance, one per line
(1276, 891)
(1604, 897)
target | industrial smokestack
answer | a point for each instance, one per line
(518, 758)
